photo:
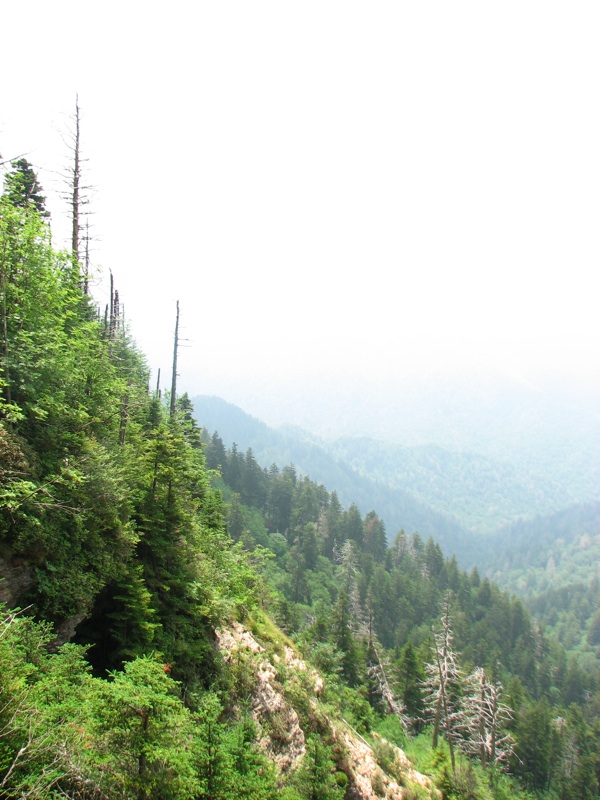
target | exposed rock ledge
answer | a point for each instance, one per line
(366, 773)
(286, 745)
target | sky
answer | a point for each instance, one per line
(332, 190)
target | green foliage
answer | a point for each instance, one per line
(114, 524)
(143, 735)
(317, 777)
(22, 188)
(326, 602)
(65, 733)
(392, 729)
(109, 501)
(411, 676)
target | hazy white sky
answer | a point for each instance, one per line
(328, 186)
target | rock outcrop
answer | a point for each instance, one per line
(280, 733)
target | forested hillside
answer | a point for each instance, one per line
(110, 535)
(554, 549)
(362, 609)
(459, 497)
(547, 429)
(142, 566)
(553, 563)
(397, 505)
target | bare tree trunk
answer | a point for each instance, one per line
(482, 753)
(116, 312)
(76, 175)
(111, 306)
(174, 375)
(86, 273)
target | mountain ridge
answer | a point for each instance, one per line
(310, 456)
(459, 498)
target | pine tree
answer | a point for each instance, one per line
(281, 498)
(343, 638)
(347, 570)
(254, 483)
(316, 776)
(533, 751)
(216, 455)
(332, 525)
(352, 526)
(22, 188)
(375, 540)
(410, 679)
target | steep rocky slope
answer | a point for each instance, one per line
(285, 696)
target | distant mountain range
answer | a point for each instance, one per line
(459, 498)
(311, 456)
(548, 431)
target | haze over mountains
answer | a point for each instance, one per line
(454, 461)
(548, 426)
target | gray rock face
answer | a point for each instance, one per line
(16, 578)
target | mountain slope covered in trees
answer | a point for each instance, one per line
(460, 498)
(132, 552)
(552, 562)
(397, 505)
(544, 428)
(362, 609)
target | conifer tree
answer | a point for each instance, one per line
(280, 500)
(347, 568)
(216, 455)
(533, 751)
(375, 541)
(410, 679)
(352, 525)
(22, 188)
(316, 776)
(332, 525)
(343, 638)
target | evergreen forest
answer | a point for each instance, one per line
(134, 546)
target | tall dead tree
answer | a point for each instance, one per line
(77, 194)
(444, 678)
(86, 270)
(76, 185)
(113, 314)
(485, 719)
(382, 683)
(174, 374)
